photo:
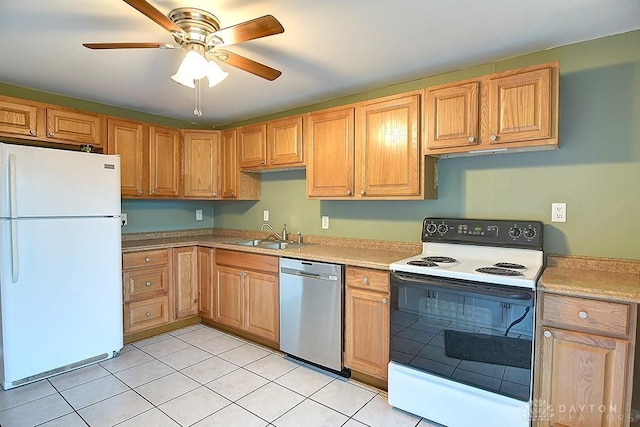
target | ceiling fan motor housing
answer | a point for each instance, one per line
(197, 25)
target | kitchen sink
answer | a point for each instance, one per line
(267, 244)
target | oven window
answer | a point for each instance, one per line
(477, 334)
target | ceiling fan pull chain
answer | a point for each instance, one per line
(198, 110)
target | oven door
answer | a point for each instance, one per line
(468, 332)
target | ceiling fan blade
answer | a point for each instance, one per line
(249, 30)
(127, 45)
(247, 65)
(154, 14)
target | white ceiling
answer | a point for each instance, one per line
(330, 48)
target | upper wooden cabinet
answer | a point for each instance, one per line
(127, 138)
(43, 122)
(368, 151)
(276, 144)
(149, 158)
(200, 164)
(515, 110)
(234, 183)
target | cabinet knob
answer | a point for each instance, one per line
(32, 131)
(363, 192)
(140, 191)
(365, 280)
(50, 134)
(271, 161)
(147, 283)
(153, 191)
(148, 314)
(384, 300)
(147, 259)
(348, 192)
(215, 194)
(472, 139)
(583, 315)
(233, 193)
(262, 162)
(493, 137)
(547, 334)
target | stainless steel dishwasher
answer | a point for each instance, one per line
(311, 301)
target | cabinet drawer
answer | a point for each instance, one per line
(145, 283)
(364, 278)
(594, 315)
(145, 258)
(146, 314)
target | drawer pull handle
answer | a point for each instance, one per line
(147, 283)
(365, 280)
(148, 314)
(583, 315)
(147, 259)
(384, 300)
(547, 334)
(472, 139)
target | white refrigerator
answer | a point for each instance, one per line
(60, 261)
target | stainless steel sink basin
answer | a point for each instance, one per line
(266, 244)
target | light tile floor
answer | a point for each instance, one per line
(199, 376)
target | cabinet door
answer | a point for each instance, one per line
(367, 347)
(387, 148)
(229, 296)
(284, 142)
(185, 262)
(520, 107)
(126, 138)
(583, 380)
(71, 126)
(330, 153)
(252, 146)
(18, 118)
(206, 291)
(201, 151)
(164, 161)
(452, 115)
(229, 164)
(262, 316)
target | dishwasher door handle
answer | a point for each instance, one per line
(285, 270)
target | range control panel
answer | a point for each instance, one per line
(507, 233)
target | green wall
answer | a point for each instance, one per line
(596, 171)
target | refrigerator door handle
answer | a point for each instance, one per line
(13, 199)
(13, 213)
(14, 251)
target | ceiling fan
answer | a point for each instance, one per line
(199, 33)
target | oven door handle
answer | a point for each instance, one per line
(466, 287)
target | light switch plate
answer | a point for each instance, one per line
(198, 214)
(325, 222)
(265, 216)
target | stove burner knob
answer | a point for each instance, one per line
(514, 232)
(431, 228)
(443, 228)
(529, 233)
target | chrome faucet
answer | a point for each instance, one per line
(283, 236)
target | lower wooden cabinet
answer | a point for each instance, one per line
(583, 372)
(147, 281)
(206, 261)
(247, 293)
(367, 321)
(185, 267)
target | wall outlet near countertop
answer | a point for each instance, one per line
(558, 212)
(265, 216)
(123, 219)
(198, 214)
(325, 222)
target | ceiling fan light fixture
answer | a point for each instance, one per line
(215, 74)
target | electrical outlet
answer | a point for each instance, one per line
(198, 214)
(265, 216)
(325, 222)
(123, 219)
(558, 212)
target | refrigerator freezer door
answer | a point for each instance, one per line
(44, 182)
(66, 305)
